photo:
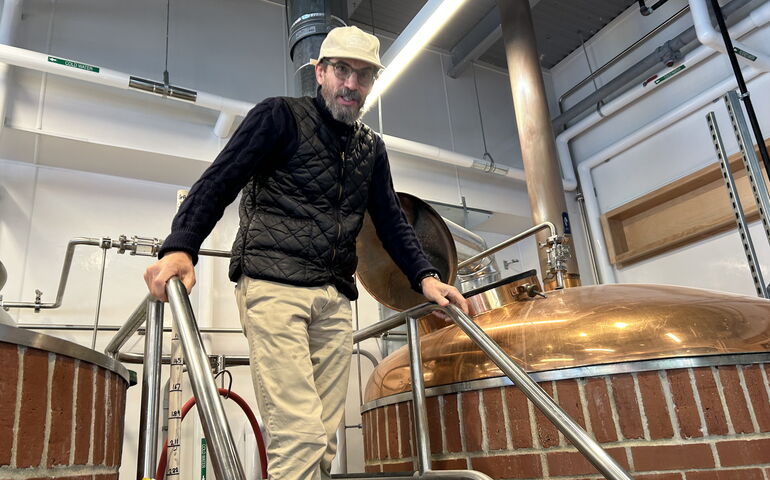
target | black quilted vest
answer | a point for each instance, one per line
(299, 220)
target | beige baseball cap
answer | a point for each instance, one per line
(350, 42)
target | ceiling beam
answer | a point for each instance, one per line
(477, 41)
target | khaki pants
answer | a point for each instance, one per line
(300, 343)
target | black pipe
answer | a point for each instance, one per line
(309, 22)
(645, 10)
(745, 96)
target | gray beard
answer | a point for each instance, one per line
(341, 113)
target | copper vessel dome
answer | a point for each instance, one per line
(590, 325)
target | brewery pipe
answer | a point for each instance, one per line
(533, 123)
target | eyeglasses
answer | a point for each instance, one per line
(365, 76)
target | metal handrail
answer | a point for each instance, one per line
(210, 409)
(147, 454)
(133, 323)
(590, 449)
(516, 238)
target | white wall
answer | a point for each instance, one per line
(681, 148)
(83, 160)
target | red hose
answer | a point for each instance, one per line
(161, 472)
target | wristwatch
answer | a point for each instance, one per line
(429, 274)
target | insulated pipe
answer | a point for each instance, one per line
(661, 55)
(759, 17)
(584, 168)
(449, 157)
(310, 21)
(533, 122)
(113, 78)
(711, 38)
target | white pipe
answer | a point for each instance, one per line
(113, 78)
(758, 18)
(230, 108)
(9, 21)
(584, 168)
(713, 39)
(449, 157)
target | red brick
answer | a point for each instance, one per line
(574, 463)
(760, 402)
(434, 424)
(372, 469)
(655, 408)
(405, 426)
(670, 457)
(100, 410)
(398, 467)
(393, 433)
(471, 421)
(740, 474)
(83, 412)
(450, 464)
(744, 452)
(546, 431)
(113, 420)
(9, 375)
(735, 399)
(495, 419)
(60, 439)
(569, 399)
(368, 427)
(119, 426)
(382, 442)
(452, 424)
(508, 466)
(628, 406)
(109, 476)
(660, 476)
(684, 403)
(518, 418)
(711, 404)
(34, 403)
(600, 411)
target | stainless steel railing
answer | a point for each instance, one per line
(215, 426)
(582, 441)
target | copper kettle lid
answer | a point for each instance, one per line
(380, 275)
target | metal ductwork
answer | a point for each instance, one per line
(538, 148)
(309, 22)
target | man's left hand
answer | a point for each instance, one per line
(442, 293)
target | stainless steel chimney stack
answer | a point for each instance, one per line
(538, 148)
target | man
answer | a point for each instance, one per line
(308, 171)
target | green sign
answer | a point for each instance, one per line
(70, 63)
(670, 74)
(744, 54)
(203, 458)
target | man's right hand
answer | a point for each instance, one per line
(173, 264)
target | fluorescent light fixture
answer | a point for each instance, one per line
(423, 27)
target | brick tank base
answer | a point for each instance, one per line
(60, 418)
(706, 423)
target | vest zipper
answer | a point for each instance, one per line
(339, 196)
